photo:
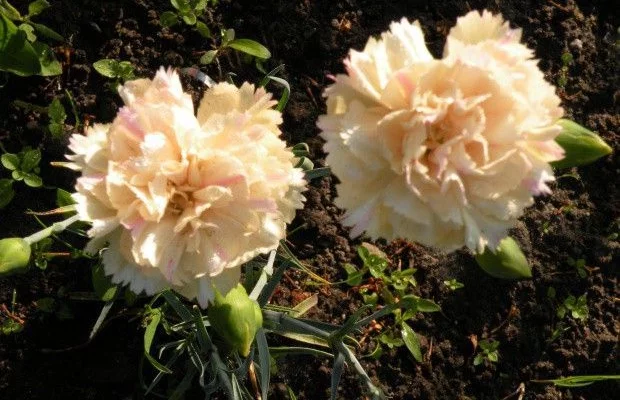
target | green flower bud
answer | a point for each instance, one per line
(14, 255)
(506, 262)
(236, 318)
(581, 146)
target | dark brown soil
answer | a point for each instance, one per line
(311, 37)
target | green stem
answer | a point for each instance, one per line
(54, 228)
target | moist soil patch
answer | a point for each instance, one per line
(52, 358)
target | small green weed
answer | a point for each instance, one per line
(489, 351)
(453, 284)
(23, 166)
(385, 287)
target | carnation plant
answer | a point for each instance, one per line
(448, 152)
(183, 203)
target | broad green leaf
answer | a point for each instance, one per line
(33, 180)
(30, 160)
(57, 130)
(105, 289)
(189, 18)
(47, 32)
(411, 341)
(17, 175)
(56, 111)
(9, 11)
(581, 145)
(37, 7)
(425, 305)
(227, 36)
(203, 29)
(208, 57)
(250, 47)
(63, 198)
(106, 67)
(49, 65)
(29, 31)
(14, 255)
(10, 161)
(168, 19)
(6, 192)
(16, 54)
(125, 70)
(505, 262)
(46, 304)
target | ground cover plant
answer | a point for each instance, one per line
(327, 307)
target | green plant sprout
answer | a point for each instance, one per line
(453, 284)
(489, 351)
(579, 265)
(567, 60)
(10, 323)
(57, 115)
(578, 308)
(20, 51)
(386, 288)
(23, 166)
(578, 380)
(188, 11)
(118, 71)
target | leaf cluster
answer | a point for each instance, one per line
(387, 287)
(21, 53)
(24, 166)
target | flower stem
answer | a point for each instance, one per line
(54, 228)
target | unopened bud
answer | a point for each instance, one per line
(581, 146)
(14, 255)
(236, 318)
(505, 262)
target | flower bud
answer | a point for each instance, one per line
(581, 146)
(236, 318)
(14, 255)
(506, 262)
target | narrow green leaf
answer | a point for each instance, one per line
(149, 335)
(102, 315)
(263, 361)
(336, 374)
(105, 289)
(47, 32)
(250, 47)
(178, 307)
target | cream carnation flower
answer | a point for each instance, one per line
(184, 200)
(444, 152)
